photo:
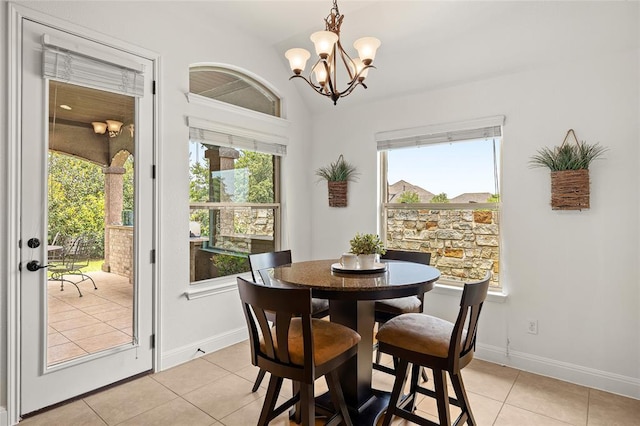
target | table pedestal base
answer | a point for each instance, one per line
(368, 413)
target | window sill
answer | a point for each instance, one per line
(214, 287)
(495, 296)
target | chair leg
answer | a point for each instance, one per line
(270, 399)
(463, 399)
(307, 404)
(425, 378)
(398, 385)
(442, 397)
(337, 397)
(256, 384)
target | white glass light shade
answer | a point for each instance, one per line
(99, 127)
(359, 67)
(114, 126)
(321, 74)
(366, 47)
(324, 42)
(297, 59)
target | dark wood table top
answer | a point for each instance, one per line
(400, 279)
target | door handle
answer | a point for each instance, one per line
(34, 265)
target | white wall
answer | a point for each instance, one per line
(576, 272)
(182, 36)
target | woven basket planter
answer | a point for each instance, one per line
(570, 189)
(338, 194)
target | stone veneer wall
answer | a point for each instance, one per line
(464, 244)
(246, 228)
(120, 250)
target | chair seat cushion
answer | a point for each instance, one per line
(418, 333)
(318, 305)
(329, 340)
(401, 305)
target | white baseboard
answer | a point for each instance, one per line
(187, 353)
(3, 417)
(590, 377)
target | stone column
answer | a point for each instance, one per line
(113, 185)
(220, 158)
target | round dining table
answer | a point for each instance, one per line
(352, 295)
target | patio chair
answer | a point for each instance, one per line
(75, 256)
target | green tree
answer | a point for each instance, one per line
(76, 199)
(494, 198)
(259, 167)
(440, 198)
(128, 184)
(199, 182)
(409, 197)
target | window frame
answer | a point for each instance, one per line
(419, 137)
(243, 123)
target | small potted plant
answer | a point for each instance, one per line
(569, 165)
(338, 174)
(366, 247)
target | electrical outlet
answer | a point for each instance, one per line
(532, 326)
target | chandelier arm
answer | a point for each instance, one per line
(350, 65)
(317, 89)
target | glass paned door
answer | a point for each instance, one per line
(85, 186)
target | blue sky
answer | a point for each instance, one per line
(452, 168)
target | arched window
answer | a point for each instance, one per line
(234, 173)
(233, 87)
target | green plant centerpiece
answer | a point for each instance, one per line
(338, 174)
(367, 244)
(366, 247)
(569, 166)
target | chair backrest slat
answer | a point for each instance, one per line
(408, 256)
(463, 339)
(259, 261)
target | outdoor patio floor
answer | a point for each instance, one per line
(99, 320)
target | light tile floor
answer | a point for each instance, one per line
(98, 320)
(215, 389)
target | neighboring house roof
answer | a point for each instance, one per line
(471, 197)
(401, 186)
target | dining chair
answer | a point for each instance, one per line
(444, 347)
(391, 308)
(261, 261)
(296, 347)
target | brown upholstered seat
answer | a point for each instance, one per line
(444, 347)
(296, 347)
(261, 261)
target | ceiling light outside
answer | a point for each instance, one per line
(323, 77)
(114, 127)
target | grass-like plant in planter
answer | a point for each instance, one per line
(338, 174)
(569, 165)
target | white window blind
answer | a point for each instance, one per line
(212, 133)
(62, 63)
(441, 133)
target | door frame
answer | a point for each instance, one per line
(16, 14)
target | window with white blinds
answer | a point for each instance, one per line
(441, 133)
(91, 69)
(230, 140)
(440, 193)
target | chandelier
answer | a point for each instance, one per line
(323, 77)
